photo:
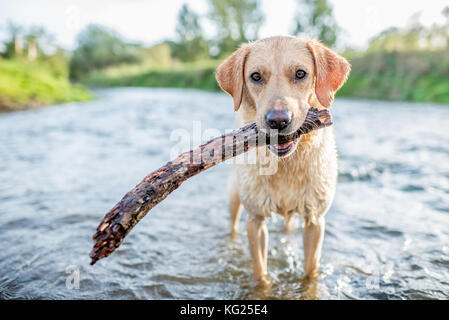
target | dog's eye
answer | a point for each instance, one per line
(300, 74)
(256, 76)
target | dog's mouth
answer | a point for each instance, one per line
(283, 149)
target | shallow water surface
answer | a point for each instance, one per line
(63, 167)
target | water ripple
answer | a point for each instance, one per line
(63, 167)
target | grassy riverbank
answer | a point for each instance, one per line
(406, 76)
(202, 78)
(199, 75)
(398, 76)
(25, 84)
(395, 76)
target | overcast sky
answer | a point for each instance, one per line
(150, 21)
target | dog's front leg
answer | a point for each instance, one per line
(235, 209)
(312, 236)
(258, 245)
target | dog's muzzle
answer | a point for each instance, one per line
(284, 149)
(278, 119)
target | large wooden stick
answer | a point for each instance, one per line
(155, 187)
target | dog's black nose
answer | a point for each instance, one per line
(278, 119)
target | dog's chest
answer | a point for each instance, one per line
(299, 185)
(303, 183)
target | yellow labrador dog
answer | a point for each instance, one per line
(274, 82)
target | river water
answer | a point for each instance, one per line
(63, 167)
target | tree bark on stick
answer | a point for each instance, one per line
(155, 187)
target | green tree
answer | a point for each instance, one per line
(315, 19)
(33, 42)
(446, 25)
(14, 47)
(37, 39)
(236, 21)
(191, 44)
(98, 48)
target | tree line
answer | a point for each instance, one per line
(228, 23)
(238, 21)
(232, 21)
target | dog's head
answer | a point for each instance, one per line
(278, 79)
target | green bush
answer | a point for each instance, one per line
(98, 48)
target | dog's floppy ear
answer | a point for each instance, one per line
(331, 71)
(230, 74)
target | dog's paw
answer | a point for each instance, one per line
(311, 275)
(263, 283)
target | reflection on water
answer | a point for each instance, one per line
(63, 167)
